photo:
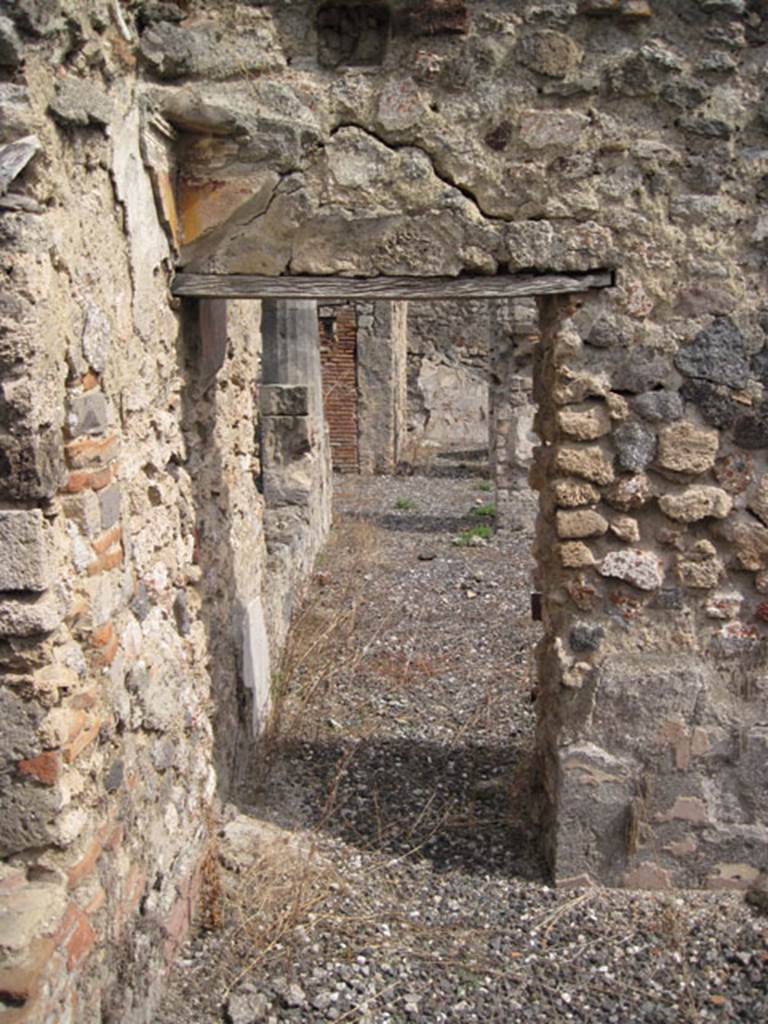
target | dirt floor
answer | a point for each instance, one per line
(382, 863)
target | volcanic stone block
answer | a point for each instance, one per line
(22, 551)
(659, 406)
(88, 414)
(716, 354)
(635, 446)
(642, 569)
(715, 402)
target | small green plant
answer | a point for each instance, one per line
(485, 485)
(485, 511)
(474, 535)
(405, 503)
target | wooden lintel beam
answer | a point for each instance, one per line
(501, 286)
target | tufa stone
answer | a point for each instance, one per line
(590, 463)
(699, 567)
(572, 493)
(626, 529)
(576, 555)
(580, 523)
(587, 425)
(686, 448)
(696, 503)
(750, 542)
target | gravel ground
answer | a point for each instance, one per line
(395, 877)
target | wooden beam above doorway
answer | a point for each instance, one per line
(500, 286)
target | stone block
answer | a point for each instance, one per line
(595, 791)
(31, 466)
(576, 555)
(96, 338)
(158, 695)
(589, 463)
(19, 722)
(630, 492)
(715, 402)
(88, 414)
(550, 53)
(79, 103)
(29, 913)
(283, 400)
(635, 446)
(626, 528)
(285, 440)
(172, 51)
(686, 448)
(22, 551)
(696, 503)
(11, 49)
(109, 506)
(580, 523)
(33, 616)
(572, 493)
(717, 354)
(15, 111)
(256, 664)
(585, 425)
(642, 569)
(699, 567)
(659, 406)
(27, 814)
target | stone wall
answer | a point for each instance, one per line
(449, 345)
(651, 554)
(469, 138)
(476, 139)
(134, 666)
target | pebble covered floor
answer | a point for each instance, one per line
(381, 864)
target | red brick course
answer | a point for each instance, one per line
(338, 358)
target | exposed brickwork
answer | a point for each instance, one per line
(338, 354)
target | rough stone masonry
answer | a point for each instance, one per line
(142, 571)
